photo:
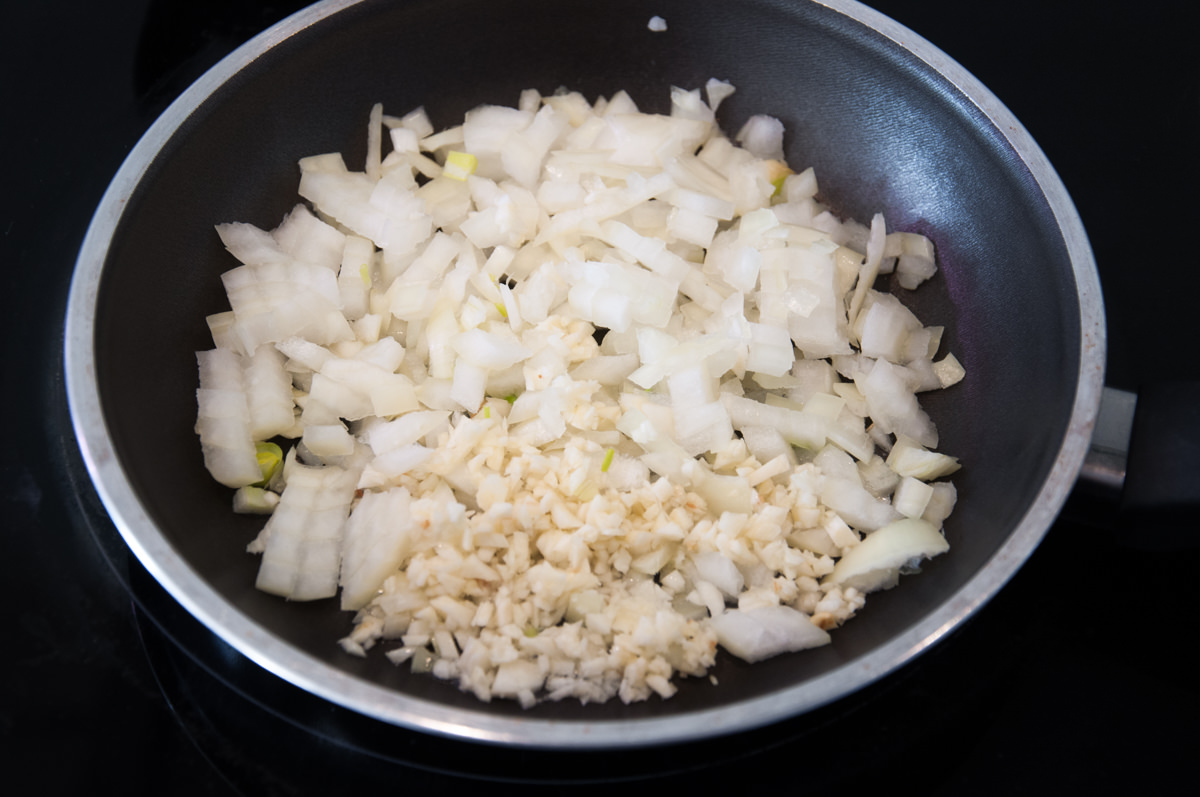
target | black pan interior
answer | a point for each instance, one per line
(884, 132)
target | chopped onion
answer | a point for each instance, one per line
(764, 632)
(875, 563)
(570, 378)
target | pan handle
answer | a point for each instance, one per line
(1145, 457)
(1107, 460)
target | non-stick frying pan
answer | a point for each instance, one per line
(889, 123)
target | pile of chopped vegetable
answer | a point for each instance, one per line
(572, 394)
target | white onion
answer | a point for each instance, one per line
(761, 633)
(875, 562)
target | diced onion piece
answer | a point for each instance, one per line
(762, 136)
(916, 262)
(766, 631)
(797, 428)
(910, 458)
(459, 165)
(912, 497)
(720, 571)
(470, 383)
(301, 543)
(374, 140)
(377, 539)
(856, 504)
(328, 440)
(223, 420)
(949, 370)
(254, 501)
(893, 404)
(514, 678)
(876, 561)
(941, 503)
(268, 394)
(489, 350)
(270, 460)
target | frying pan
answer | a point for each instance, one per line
(889, 123)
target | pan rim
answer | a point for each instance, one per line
(282, 659)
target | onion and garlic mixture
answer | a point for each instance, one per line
(572, 394)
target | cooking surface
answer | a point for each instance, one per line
(1077, 676)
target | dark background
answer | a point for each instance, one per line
(1079, 677)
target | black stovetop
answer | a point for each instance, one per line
(1079, 677)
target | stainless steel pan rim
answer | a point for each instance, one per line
(186, 586)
